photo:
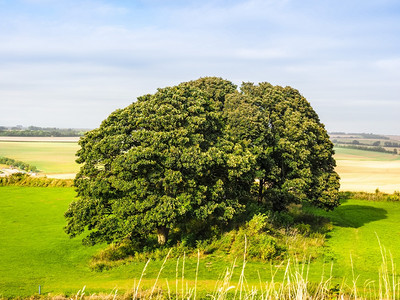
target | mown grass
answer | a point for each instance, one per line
(35, 251)
(49, 157)
(33, 248)
(357, 226)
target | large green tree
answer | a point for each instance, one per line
(293, 151)
(158, 164)
(187, 156)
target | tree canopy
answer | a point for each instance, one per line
(159, 163)
(292, 148)
(187, 157)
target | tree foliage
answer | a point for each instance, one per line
(160, 163)
(187, 156)
(294, 154)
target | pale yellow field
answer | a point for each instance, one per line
(367, 171)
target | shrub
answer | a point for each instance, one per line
(261, 243)
(304, 229)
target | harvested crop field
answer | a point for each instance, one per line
(366, 170)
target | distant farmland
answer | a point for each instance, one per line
(50, 155)
(367, 170)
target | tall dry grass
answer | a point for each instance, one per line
(294, 285)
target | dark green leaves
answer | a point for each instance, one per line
(189, 154)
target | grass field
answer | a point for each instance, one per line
(367, 170)
(49, 157)
(35, 251)
(358, 224)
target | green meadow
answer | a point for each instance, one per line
(361, 230)
(49, 157)
(35, 250)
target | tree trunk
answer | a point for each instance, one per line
(260, 190)
(162, 234)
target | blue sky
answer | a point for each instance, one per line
(71, 63)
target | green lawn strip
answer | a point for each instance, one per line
(49, 157)
(355, 154)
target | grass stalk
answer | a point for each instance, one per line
(183, 276)
(168, 289)
(140, 280)
(177, 276)
(159, 273)
(197, 273)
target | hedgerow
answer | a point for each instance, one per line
(377, 196)
(20, 179)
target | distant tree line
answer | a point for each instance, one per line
(375, 146)
(34, 131)
(368, 148)
(357, 142)
(391, 144)
(18, 164)
(372, 136)
(377, 196)
(362, 135)
(377, 143)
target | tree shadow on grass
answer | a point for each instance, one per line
(356, 216)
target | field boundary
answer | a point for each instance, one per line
(72, 139)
